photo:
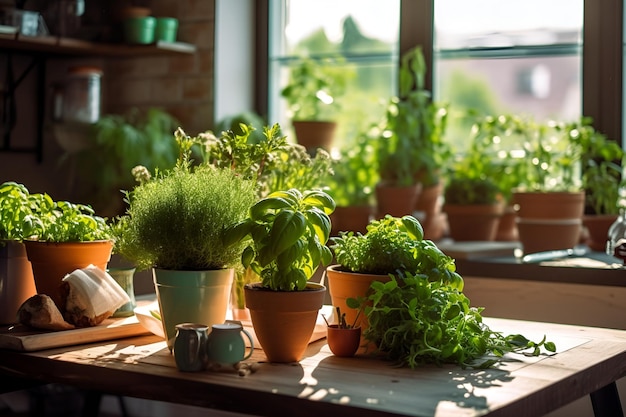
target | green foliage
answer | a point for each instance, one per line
(37, 216)
(466, 191)
(519, 152)
(177, 219)
(272, 163)
(70, 222)
(419, 321)
(411, 146)
(18, 211)
(123, 141)
(354, 173)
(394, 246)
(314, 87)
(288, 232)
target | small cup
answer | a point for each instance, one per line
(225, 344)
(343, 342)
(190, 347)
(124, 277)
(166, 29)
(140, 30)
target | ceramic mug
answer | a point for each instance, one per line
(190, 347)
(225, 344)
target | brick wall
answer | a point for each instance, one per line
(181, 84)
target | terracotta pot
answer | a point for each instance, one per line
(507, 226)
(284, 320)
(314, 134)
(538, 235)
(16, 280)
(51, 261)
(598, 230)
(200, 297)
(549, 220)
(473, 222)
(343, 285)
(428, 208)
(343, 342)
(350, 219)
(550, 205)
(396, 200)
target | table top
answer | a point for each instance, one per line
(587, 359)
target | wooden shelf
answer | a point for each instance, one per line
(52, 45)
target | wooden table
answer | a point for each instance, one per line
(589, 361)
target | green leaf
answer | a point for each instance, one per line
(261, 207)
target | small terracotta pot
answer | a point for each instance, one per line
(343, 342)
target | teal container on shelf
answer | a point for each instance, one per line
(140, 30)
(166, 29)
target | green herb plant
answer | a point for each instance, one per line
(411, 146)
(287, 233)
(18, 211)
(419, 320)
(354, 175)
(121, 142)
(176, 219)
(394, 246)
(272, 162)
(37, 216)
(314, 88)
(467, 191)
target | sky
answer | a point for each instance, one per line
(452, 16)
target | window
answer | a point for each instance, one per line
(509, 56)
(363, 32)
(506, 56)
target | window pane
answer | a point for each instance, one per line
(507, 56)
(363, 32)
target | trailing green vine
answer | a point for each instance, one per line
(418, 320)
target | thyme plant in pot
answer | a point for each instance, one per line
(175, 224)
(18, 208)
(286, 234)
(390, 247)
(312, 94)
(411, 149)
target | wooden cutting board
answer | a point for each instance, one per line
(26, 339)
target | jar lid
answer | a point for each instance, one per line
(85, 71)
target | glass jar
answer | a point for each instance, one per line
(81, 101)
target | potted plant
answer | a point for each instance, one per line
(312, 94)
(352, 185)
(65, 236)
(417, 319)
(411, 148)
(17, 208)
(473, 201)
(391, 246)
(602, 180)
(273, 164)
(343, 338)
(287, 233)
(175, 225)
(121, 142)
(552, 201)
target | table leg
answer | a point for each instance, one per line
(606, 402)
